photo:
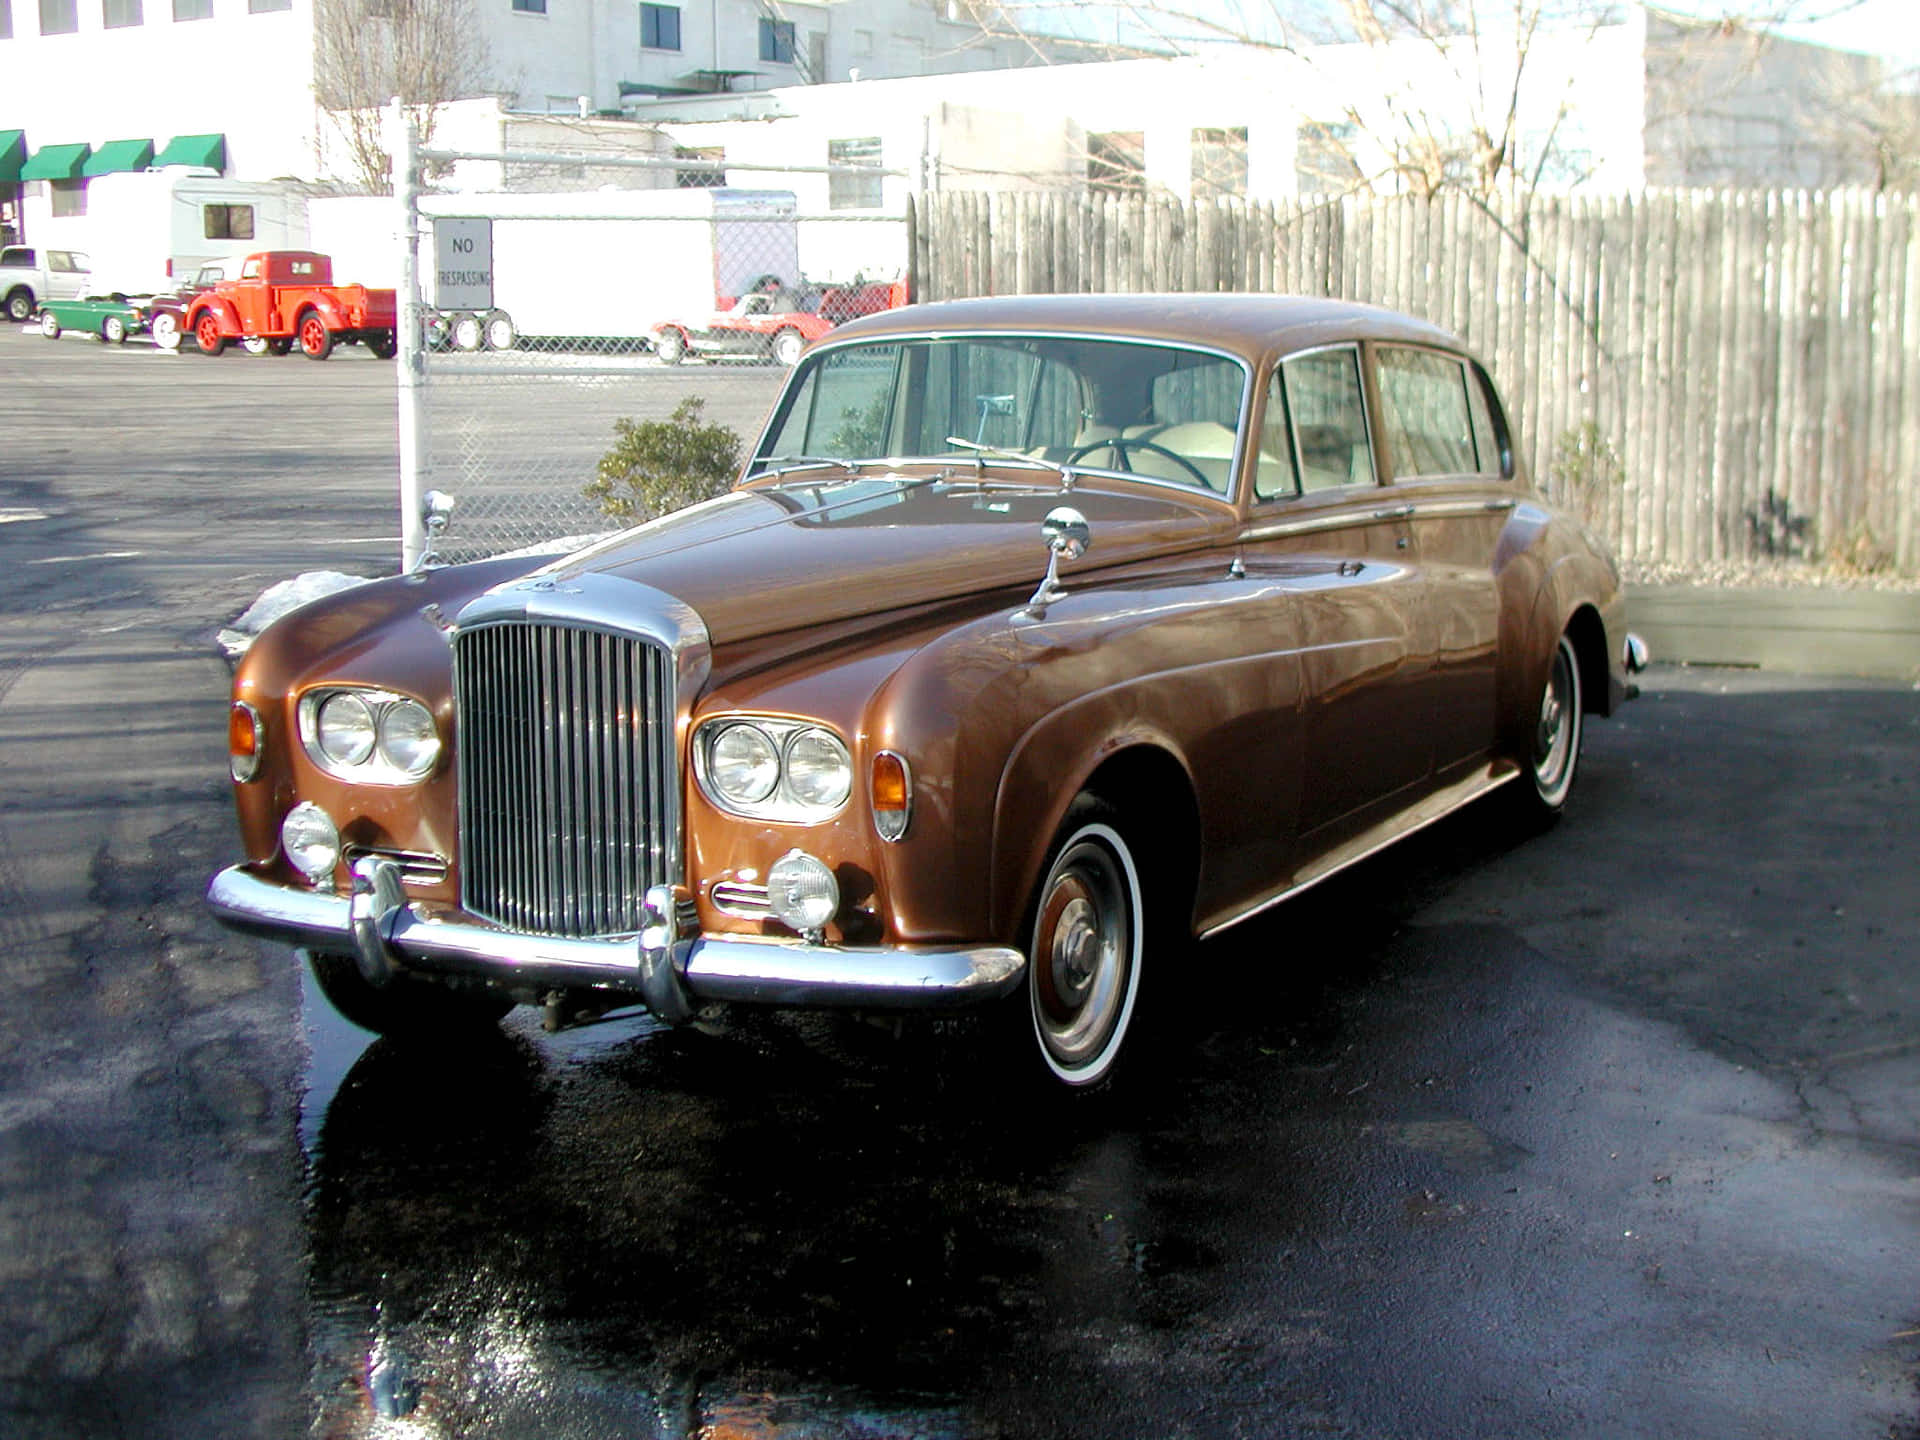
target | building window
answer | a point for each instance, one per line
(119, 14)
(227, 222)
(1323, 161)
(530, 7)
(854, 191)
(1219, 163)
(69, 199)
(1117, 162)
(59, 17)
(267, 7)
(776, 41)
(702, 178)
(660, 27)
(6, 19)
(193, 9)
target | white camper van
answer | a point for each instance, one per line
(148, 230)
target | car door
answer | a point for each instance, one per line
(1448, 468)
(1321, 525)
(68, 274)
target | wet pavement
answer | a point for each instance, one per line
(1609, 1131)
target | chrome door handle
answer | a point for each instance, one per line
(1393, 512)
(1352, 567)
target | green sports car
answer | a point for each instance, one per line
(110, 317)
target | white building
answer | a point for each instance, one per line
(92, 86)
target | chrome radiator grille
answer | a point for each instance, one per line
(569, 803)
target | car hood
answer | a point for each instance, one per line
(759, 561)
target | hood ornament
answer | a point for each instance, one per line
(1069, 536)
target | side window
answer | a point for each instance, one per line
(1489, 426)
(1424, 398)
(1329, 416)
(1275, 476)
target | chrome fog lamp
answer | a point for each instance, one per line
(744, 764)
(311, 840)
(409, 741)
(802, 893)
(819, 769)
(345, 729)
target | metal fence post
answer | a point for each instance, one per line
(410, 349)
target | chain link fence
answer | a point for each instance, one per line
(544, 316)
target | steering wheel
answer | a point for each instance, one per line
(1121, 444)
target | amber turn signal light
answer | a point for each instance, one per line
(243, 741)
(891, 787)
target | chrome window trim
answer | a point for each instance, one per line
(1240, 437)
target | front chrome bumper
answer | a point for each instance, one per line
(669, 970)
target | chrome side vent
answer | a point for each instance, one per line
(569, 796)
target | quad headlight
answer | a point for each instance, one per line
(768, 769)
(372, 737)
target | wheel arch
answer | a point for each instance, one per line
(1589, 635)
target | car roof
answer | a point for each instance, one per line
(1256, 327)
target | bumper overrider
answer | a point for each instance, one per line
(672, 969)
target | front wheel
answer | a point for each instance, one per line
(1554, 738)
(669, 345)
(406, 1006)
(468, 333)
(1087, 943)
(787, 346)
(500, 334)
(206, 334)
(49, 326)
(383, 345)
(255, 344)
(316, 340)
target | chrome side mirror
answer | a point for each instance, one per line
(436, 509)
(1068, 536)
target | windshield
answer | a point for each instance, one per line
(1156, 411)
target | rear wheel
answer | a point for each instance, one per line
(279, 347)
(1087, 942)
(405, 1006)
(49, 326)
(669, 345)
(468, 333)
(255, 345)
(382, 344)
(20, 306)
(787, 346)
(113, 331)
(500, 333)
(206, 334)
(166, 330)
(316, 341)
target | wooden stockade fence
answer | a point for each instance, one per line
(1711, 377)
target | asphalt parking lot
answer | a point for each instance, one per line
(1610, 1131)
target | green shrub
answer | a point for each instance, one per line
(657, 466)
(1584, 473)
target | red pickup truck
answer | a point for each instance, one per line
(287, 297)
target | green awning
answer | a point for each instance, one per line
(56, 162)
(208, 150)
(13, 154)
(119, 155)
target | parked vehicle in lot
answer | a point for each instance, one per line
(168, 313)
(109, 318)
(29, 277)
(1040, 637)
(773, 321)
(287, 297)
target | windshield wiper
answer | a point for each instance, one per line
(983, 453)
(792, 464)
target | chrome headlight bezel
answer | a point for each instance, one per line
(818, 794)
(391, 719)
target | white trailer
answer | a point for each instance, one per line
(148, 230)
(596, 265)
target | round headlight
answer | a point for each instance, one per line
(743, 764)
(408, 739)
(345, 729)
(802, 892)
(819, 770)
(310, 839)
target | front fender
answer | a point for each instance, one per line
(223, 313)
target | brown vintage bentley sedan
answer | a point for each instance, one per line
(1039, 637)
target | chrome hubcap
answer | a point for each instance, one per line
(1083, 955)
